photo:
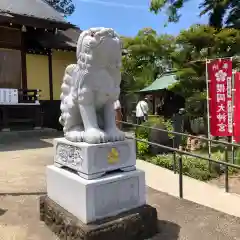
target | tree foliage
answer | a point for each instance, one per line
(149, 54)
(221, 12)
(197, 44)
(172, 7)
(65, 7)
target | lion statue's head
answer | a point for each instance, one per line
(99, 47)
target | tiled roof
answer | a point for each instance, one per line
(62, 40)
(163, 82)
(31, 8)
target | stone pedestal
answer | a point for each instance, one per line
(94, 160)
(137, 224)
(94, 192)
(90, 200)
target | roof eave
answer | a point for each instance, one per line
(32, 21)
(154, 89)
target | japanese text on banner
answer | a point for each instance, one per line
(220, 97)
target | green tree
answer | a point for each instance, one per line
(147, 56)
(65, 7)
(220, 12)
(195, 45)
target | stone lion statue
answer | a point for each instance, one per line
(90, 88)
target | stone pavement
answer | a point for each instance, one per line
(22, 181)
(196, 191)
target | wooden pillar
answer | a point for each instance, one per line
(23, 61)
(5, 119)
(38, 117)
(50, 72)
(154, 103)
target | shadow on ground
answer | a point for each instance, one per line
(167, 231)
(15, 194)
(21, 140)
(2, 211)
(23, 144)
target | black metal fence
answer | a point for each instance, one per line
(178, 153)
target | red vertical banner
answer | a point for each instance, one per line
(220, 97)
(236, 122)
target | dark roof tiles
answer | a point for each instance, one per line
(62, 40)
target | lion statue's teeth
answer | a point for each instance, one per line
(90, 88)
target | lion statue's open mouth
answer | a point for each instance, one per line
(91, 87)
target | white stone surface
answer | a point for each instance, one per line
(90, 88)
(94, 160)
(90, 200)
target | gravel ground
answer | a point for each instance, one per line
(22, 181)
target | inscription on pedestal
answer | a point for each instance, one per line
(69, 155)
(117, 195)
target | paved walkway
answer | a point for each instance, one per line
(22, 181)
(184, 220)
(196, 191)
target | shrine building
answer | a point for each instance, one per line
(36, 45)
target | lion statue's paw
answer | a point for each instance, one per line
(95, 136)
(74, 135)
(115, 135)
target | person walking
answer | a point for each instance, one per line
(142, 111)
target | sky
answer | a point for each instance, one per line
(127, 17)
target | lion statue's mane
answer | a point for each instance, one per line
(90, 87)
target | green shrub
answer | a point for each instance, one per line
(192, 167)
(237, 157)
(142, 149)
(169, 127)
(165, 160)
(220, 156)
(143, 131)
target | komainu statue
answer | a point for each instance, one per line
(90, 88)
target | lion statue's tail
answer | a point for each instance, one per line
(66, 96)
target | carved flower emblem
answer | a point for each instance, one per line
(220, 76)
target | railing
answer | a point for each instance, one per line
(178, 154)
(28, 96)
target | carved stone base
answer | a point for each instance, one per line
(96, 175)
(90, 200)
(136, 224)
(91, 161)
